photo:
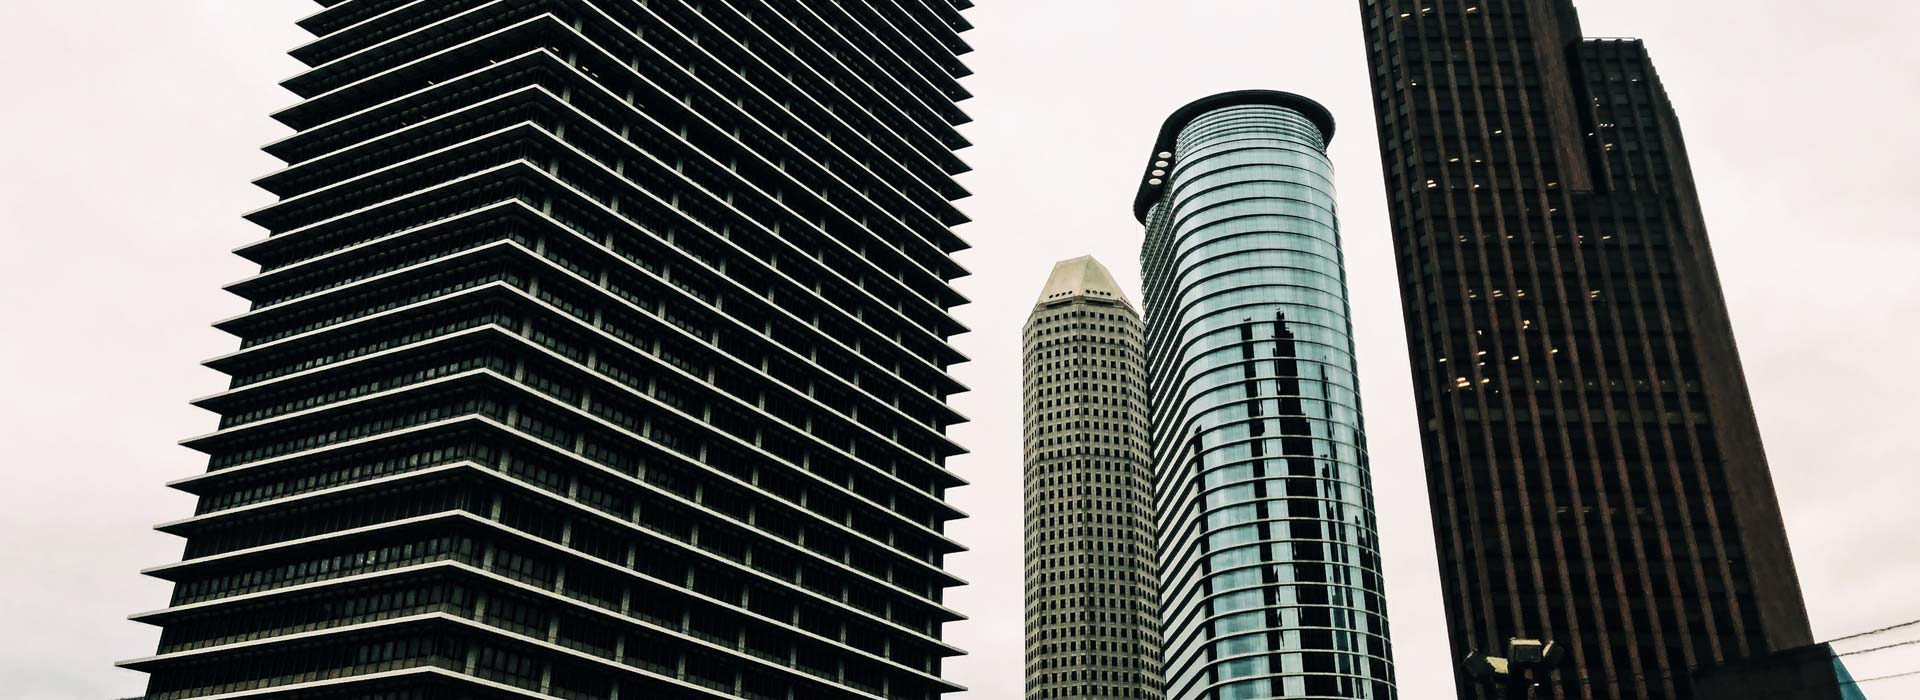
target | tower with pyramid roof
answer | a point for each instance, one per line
(1093, 626)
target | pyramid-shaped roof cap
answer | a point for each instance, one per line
(1081, 277)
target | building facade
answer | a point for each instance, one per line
(599, 349)
(1594, 465)
(1092, 615)
(1269, 550)
(1805, 673)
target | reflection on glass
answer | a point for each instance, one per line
(1270, 561)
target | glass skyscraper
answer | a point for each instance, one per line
(1593, 462)
(1092, 615)
(599, 350)
(1269, 555)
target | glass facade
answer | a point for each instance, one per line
(1269, 550)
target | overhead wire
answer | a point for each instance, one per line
(1889, 676)
(1789, 692)
(1794, 691)
(1870, 633)
(1895, 645)
(1674, 675)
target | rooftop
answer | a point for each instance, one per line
(1081, 277)
(1150, 184)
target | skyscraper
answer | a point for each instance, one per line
(1806, 673)
(1269, 551)
(599, 350)
(1093, 623)
(1594, 464)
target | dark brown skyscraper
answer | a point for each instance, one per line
(1593, 459)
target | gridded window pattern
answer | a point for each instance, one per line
(1593, 462)
(1092, 619)
(599, 350)
(1269, 547)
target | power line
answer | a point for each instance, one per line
(1881, 648)
(1882, 678)
(1674, 674)
(1798, 688)
(1873, 632)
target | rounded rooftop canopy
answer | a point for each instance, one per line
(1170, 131)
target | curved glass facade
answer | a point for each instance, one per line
(1269, 551)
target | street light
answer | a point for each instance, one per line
(1517, 671)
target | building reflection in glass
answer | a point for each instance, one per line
(1269, 550)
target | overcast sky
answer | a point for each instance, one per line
(129, 132)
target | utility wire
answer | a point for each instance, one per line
(1791, 692)
(1881, 678)
(1674, 675)
(1881, 648)
(1798, 688)
(1873, 632)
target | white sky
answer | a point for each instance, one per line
(131, 130)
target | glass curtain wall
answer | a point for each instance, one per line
(1270, 556)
